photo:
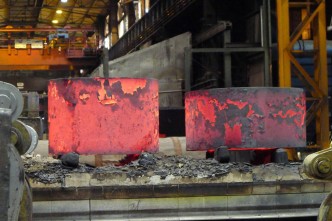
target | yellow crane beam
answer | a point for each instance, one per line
(316, 82)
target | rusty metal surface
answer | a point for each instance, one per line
(245, 117)
(103, 115)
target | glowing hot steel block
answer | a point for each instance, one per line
(245, 117)
(103, 115)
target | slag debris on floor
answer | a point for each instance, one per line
(49, 170)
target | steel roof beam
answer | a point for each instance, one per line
(45, 29)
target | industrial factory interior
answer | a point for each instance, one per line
(156, 110)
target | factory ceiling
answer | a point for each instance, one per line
(41, 19)
(46, 13)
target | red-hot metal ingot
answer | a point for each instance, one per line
(245, 117)
(103, 115)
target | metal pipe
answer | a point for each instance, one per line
(266, 36)
(227, 50)
(227, 61)
(187, 68)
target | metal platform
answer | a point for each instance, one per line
(180, 202)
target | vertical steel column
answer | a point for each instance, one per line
(316, 82)
(321, 76)
(283, 41)
(187, 68)
(142, 2)
(113, 21)
(227, 60)
(105, 59)
(266, 41)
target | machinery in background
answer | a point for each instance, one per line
(31, 113)
(16, 138)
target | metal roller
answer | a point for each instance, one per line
(34, 139)
(11, 98)
(21, 137)
(319, 165)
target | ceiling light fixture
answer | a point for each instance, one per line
(55, 21)
(63, 1)
(59, 11)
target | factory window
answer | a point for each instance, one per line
(106, 29)
(107, 42)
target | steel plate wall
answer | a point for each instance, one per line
(163, 61)
(103, 115)
(245, 117)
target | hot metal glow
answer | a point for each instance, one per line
(103, 116)
(245, 117)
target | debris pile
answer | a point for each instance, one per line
(49, 170)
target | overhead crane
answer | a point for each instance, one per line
(51, 55)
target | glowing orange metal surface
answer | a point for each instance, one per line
(245, 117)
(103, 116)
